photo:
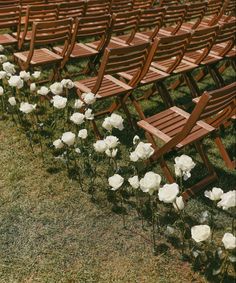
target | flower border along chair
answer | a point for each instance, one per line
(46, 33)
(177, 129)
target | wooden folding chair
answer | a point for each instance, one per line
(142, 4)
(72, 9)
(107, 83)
(177, 129)
(229, 12)
(82, 42)
(46, 34)
(36, 13)
(221, 109)
(97, 7)
(9, 19)
(120, 6)
(215, 10)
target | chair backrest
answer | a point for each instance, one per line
(98, 7)
(119, 6)
(201, 40)
(195, 13)
(214, 10)
(170, 51)
(174, 17)
(167, 3)
(123, 59)
(4, 3)
(151, 19)
(230, 8)
(10, 17)
(72, 9)
(142, 4)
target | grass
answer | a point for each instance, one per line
(51, 231)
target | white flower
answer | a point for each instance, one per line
(3, 59)
(59, 102)
(32, 87)
(136, 139)
(9, 68)
(77, 118)
(200, 233)
(134, 182)
(16, 81)
(183, 165)
(133, 156)
(204, 216)
(43, 91)
(89, 98)
(100, 146)
(77, 150)
(150, 182)
(12, 101)
(83, 134)
(116, 121)
(56, 88)
(88, 114)
(58, 143)
(25, 75)
(144, 150)
(78, 104)
(27, 108)
(68, 138)
(1, 90)
(169, 230)
(214, 194)
(66, 83)
(229, 241)
(168, 193)
(111, 141)
(111, 152)
(227, 200)
(116, 181)
(36, 74)
(1, 48)
(179, 203)
(3, 74)
(107, 124)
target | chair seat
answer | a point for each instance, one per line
(194, 56)
(80, 50)
(27, 36)
(138, 39)
(231, 53)
(6, 39)
(40, 56)
(167, 124)
(110, 86)
(114, 42)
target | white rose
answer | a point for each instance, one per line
(117, 121)
(12, 101)
(66, 83)
(229, 241)
(179, 203)
(111, 152)
(107, 124)
(100, 146)
(27, 108)
(133, 156)
(200, 233)
(83, 134)
(116, 181)
(68, 138)
(32, 87)
(36, 74)
(59, 102)
(43, 91)
(3, 59)
(88, 114)
(150, 182)
(58, 143)
(134, 182)
(144, 150)
(183, 165)
(214, 194)
(168, 193)
(227, 200)
(77, 150)
(78, 104)
(25, 75)
(3, 74)
(136, 139)
(16, 81)
(1, 48)
(1, 91)
(89, 98)
(56, 88)
(9, 68)
(77, 118)
(111, 141)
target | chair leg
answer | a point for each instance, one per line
(164, 93)
(148, 93)
(178, 82)
(191, 83)
(96, 131)
(215, 74)
(211, 177)
(127, 113)
(224, 154)
(137, 107)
